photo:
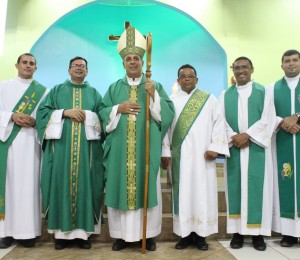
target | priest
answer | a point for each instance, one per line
(72, 172)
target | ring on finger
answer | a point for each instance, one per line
(131, 109)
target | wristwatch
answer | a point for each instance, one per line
(298, 115)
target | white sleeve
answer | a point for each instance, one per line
(55, 126)
(6, 125)
(155, 107)
(92, 126)
(114, 119)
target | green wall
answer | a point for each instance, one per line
(259, 29)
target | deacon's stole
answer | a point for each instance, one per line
(286, 145)
(185, 121)
(256, 165)
(25, 105)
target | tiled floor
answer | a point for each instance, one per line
(165, 251)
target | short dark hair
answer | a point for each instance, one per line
(25, 54)
(78, 58)
(289, 53)
(186, 66)
(243, 58)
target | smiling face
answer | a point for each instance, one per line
(242, 71)
(187, 79)
(26, 67)
(291, 65)
(133, 65)
(78, 71)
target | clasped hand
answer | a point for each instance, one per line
(23, 120)
(289, 124)
(241, 140)
(75, 114)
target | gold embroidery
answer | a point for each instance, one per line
(75, 153)
(131, 153)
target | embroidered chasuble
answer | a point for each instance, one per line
(256, 166)
(25, 105)
(124, 151)
(286, 144)
(72, 178)
(186, 119)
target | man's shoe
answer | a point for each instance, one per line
(288, 241)
(6, 242)
(237, 241)
(119, 244)
(201, 243)
(150, 244)
(61, 244)
(259, 243)
(185, 242)
(27, 242)
(85, 244)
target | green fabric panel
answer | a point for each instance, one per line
(115, 146)
(55, 176)
(185, 121)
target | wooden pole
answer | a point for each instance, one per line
(147, 143)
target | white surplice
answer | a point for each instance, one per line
(260, 133)
(128, 224)
(198, 195)
(285, 226)
(22, 196)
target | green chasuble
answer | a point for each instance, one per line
(185, 121)
(124, 151)
(286, 144)
(25, 105)
(72, 172)
(256, 166)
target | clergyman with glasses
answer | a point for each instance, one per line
(250, 121)
(194, 140)
(72, 175)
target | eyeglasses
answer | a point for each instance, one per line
(187, 76)
(82, 66)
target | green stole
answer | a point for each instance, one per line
(285, 151)
(25, 105)
(185, 121)
(256, 166)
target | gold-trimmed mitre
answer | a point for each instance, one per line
(131, 42)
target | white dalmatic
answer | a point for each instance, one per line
(198, 195)
(22, 196)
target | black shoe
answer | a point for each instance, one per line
(27, 242)
(237, 241)
(119, 244)
(288, 241)
(61, 244)
(6, 242)
(84, 244)
(150, 244)
(259, 243)
(201, 243)
(185, 242)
